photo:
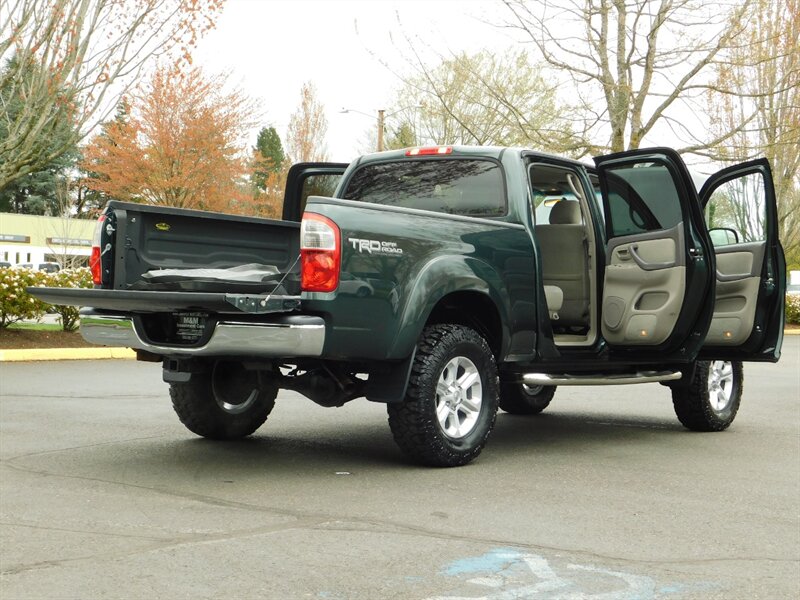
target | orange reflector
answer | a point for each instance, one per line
(429, 150)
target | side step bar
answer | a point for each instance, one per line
(599, 378)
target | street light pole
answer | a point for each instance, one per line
(381, 120)
(381, 117)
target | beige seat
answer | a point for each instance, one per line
(565, 263)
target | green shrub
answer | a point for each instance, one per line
(793, 308)
(69, 278)
(15, 303)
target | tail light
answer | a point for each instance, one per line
(320, 253)
(95, 260)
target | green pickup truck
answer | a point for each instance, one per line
(448, 282)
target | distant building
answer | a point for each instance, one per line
(32, 239)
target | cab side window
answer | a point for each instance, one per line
(736, 213)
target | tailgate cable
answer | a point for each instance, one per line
(102, 254)
(259, 304)
(285, 275)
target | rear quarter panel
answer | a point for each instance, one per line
(397, 264)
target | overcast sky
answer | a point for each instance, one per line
(270, 47)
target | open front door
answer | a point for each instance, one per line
(740, 212)
(658, 282)
(309, 179)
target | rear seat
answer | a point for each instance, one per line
(565, 263)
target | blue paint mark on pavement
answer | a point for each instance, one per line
(492, 562)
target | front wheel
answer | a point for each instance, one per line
(523, 399)
(711, 399)
(451, 403)
(227, 402)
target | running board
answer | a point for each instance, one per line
(599, 378)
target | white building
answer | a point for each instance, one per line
(32, 239)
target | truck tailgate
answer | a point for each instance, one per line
(151, 238)
(144, 301)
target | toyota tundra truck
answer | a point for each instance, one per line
(448, 282)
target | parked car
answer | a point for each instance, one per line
(47, 267)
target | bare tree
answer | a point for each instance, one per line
(765, 71)
(79, 57)
(305, 139)
(67, 230)
(635, 64)
(485, 99)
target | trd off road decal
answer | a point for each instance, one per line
(375, 247)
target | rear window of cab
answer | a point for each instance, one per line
(456, 186)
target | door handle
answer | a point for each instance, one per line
(648, 266)
(732, 277)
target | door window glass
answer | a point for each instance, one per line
(736, 213)
(319, 184)
(641, 197)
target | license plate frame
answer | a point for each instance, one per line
(190, 327)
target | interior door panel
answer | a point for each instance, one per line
(644, 287)
(738, 281)
(658, 278)
(739, 206)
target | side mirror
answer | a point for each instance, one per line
(723, 236)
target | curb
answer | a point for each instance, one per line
(65, 354)
(101, 353)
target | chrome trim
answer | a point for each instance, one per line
(599, 379)
(230, 338)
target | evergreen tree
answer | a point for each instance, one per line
(403, 137)
(269, 156)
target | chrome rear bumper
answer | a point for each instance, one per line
(283, 336)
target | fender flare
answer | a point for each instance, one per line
(440, 277)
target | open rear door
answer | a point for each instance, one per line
(657, 295)
(740, 212)
(309, 179)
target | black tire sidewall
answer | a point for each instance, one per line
(692, 401)
(516, 400)
(197, 408)
(414, 422)
(485, 365)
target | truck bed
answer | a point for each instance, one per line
(150, 238)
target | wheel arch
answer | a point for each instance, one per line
(455, 289)
(473, 309)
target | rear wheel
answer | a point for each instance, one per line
(523, 399)
(711, 399)
(451, 403)
(227, 402)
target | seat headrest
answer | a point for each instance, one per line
(565, 212)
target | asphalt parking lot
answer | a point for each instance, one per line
(104, 494)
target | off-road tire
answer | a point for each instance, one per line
(703, 406)
(415, 423)
(224, 403)
(520, 399)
